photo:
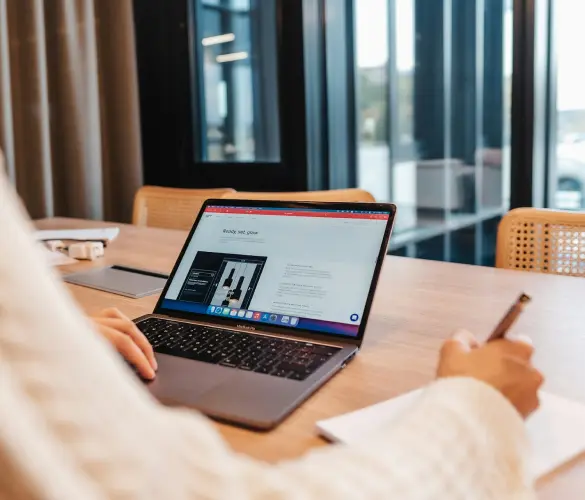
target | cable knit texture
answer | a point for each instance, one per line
(76, 424)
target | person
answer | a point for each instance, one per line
(120, 331)
(76, 423)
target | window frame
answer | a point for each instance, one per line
(531, 138)
(165, 34)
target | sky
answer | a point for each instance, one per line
(372, 45)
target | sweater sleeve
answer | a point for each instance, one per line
(461, 440)
(74, 423)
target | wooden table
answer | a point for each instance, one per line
(418, 304)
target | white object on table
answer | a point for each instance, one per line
(555, 430)
(90, 250)
(100, 234)
(54, 245)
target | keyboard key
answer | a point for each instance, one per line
(268, 363)
(247, 352)
(247, 365)
(292, 367)
(324, 350)
(223, 353)
(232, 360)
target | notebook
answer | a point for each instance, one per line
(555, 429)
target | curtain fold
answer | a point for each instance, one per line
(69, 115)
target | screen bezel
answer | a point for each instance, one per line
(268, 327)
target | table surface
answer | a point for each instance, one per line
(418, 304)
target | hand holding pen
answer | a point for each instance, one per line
(505, 365)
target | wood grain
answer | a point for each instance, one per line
(418, 304)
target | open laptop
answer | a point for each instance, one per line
(266, 302)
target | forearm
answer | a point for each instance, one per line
(461, 440)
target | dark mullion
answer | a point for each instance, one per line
(322, 79)
(523, 104)
(340, 87)
(493, 109)
(227, 70)
(198, 99)
(463, 109)
(316, 97)
(351, 78)
(264, 80)
(164, 57)
(429, 81)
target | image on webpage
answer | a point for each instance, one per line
(226, 280)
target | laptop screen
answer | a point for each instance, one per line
(301, 268)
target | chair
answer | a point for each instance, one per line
(543, 241)
(349, 195)
(171, 208)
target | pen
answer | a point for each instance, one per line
(509, 318)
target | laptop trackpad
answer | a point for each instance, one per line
(183, 381)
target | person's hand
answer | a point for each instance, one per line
(128, 340)
(503, 364)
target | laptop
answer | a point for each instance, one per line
(266, 302)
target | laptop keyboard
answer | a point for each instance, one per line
(243, 351)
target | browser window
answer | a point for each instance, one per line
(299, 268)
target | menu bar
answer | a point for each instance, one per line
(334, 214)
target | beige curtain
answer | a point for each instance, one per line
(69, 114)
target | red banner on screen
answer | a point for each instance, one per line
(297, 213)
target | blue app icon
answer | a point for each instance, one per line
(211, 309)
(265, 317)
(354, 317)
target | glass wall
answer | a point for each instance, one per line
(237, 109)
(433, 84)
(568, 170)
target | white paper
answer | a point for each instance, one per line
(99, 234)
(556, 430)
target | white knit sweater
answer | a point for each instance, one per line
(75, 424)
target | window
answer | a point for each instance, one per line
(568, 182)
(237, 109)
(223, 94)
(409, 99)
(434, 81)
